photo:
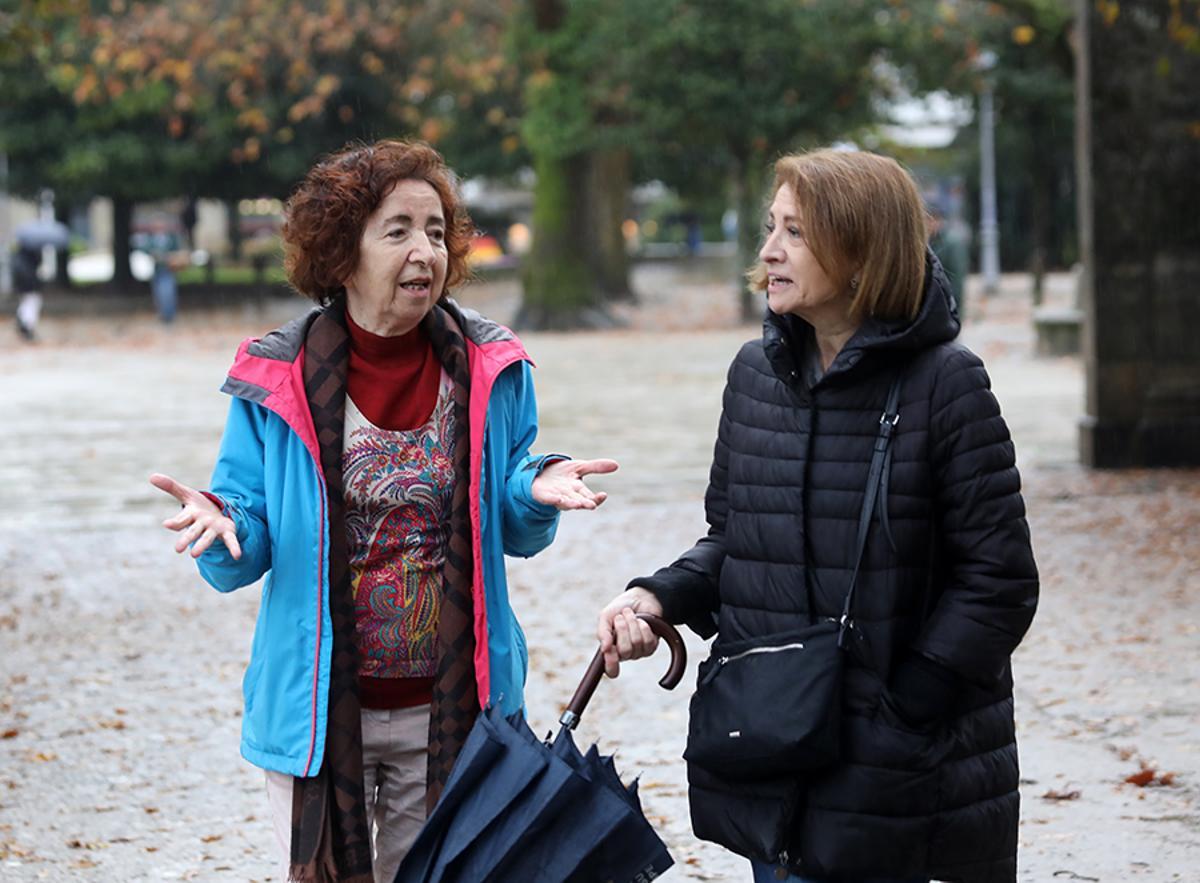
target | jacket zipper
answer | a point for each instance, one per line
(756, 650)
(722, 661)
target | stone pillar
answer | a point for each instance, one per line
(1138, 152)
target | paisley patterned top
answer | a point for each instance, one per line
(398, 490)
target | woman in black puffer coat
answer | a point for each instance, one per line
(926, 784)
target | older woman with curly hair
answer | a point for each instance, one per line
(375, 468)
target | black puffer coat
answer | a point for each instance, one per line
(928, 780)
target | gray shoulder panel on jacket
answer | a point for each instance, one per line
(283, 344)
(478, 328)
(244, 390)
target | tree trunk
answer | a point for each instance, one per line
(122, 210)
(748, 188)
(607, 204)
(559, 290)
(62, 278)
(234, 228)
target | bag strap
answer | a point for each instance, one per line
(875, 477)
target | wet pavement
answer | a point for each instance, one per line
(120, 669)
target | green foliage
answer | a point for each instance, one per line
(1033, 82)
(230, 98)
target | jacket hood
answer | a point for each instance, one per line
(936, 322)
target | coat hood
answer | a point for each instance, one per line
(784, 337)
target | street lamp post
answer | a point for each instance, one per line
(6, 284)
(989, 230)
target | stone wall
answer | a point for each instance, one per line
(1138, 143)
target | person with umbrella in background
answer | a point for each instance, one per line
(867, 570)
(375, 467)
(32, 237)
(27, 286)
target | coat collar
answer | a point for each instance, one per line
(269, 370)
(786, 337)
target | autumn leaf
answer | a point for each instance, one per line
(1142, 778)
(1148, 776)
(85, 844)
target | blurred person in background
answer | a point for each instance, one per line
(950, 239)
(375, 468)
(164, 247)
(925, 784)
(25, 263)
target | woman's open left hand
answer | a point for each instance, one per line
(199, 521)
(561, 484)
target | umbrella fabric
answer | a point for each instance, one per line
(557, 809)
(516, 810)
(634, 850)
(40, 233)
(479, 754)
(630, 850)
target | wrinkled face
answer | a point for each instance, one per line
(796, 283)
(402, 261)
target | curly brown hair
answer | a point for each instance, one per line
(324, 219)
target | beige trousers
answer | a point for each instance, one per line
(395, 744)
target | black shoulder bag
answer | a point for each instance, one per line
(770, 706)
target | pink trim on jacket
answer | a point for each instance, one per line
(486, 362)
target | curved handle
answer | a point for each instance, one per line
(595, 671)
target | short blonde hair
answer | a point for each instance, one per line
(863, 219)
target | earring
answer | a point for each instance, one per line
(854, 283)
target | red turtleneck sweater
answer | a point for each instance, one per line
(393, 380)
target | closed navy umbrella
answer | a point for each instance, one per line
(516, 808)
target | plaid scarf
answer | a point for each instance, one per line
(331, 842)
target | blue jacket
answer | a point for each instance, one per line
(269, 479)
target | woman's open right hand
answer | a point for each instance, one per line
(624, 636)
(199, 522)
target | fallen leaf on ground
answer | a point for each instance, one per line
(1061, 795)
(1148, 776)
(10, 734)
(1142, 778)
(211, 838)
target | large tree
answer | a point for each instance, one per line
(222, 99)
(578, 66)
(697, 93)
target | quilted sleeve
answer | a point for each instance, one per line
(991, 589)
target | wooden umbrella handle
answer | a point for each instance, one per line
(595, 671)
